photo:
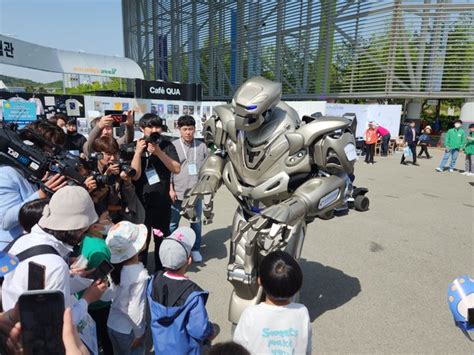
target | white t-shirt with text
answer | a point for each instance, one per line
(276, 330)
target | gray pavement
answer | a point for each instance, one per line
(374, 282)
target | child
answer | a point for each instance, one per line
(370, 139)
(94, 250)
(31, 212)
(424, 142)
(179, 321)
(469, 151)
(126, 321)
(276, 326)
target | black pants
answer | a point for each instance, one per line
(156, 218)
(369, 153)
(413, 153)
(100, 317)
(384, 146)
(424, 149)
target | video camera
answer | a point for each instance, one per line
(19, 151)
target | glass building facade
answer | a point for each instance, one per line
(317, 49)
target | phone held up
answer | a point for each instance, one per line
(41, 317)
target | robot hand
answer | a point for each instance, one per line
(276, 218)
(204, 190)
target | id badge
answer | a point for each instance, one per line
(192, 169)
(152, 176)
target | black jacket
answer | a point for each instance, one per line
(408, 136)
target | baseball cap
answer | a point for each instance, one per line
(124, 240)
(176, 249)
(8, 262)
(70, 208)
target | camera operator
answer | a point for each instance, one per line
(15, 189)
(121, 200)
(102, 126)
(160, 160)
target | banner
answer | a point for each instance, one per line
(163, 90)
(387, 116)
(47, 105)
(19, 112)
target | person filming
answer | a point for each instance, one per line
(153, 187)
(116, 176)
(16, 189)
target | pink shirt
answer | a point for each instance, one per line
(382, 131)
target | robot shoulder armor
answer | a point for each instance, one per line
(220, 126)
(308, 133)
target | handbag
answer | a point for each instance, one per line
(407, 152)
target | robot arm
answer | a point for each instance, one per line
(316, 196)
(210, 179)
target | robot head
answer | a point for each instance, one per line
(253, 100)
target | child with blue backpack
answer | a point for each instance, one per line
(179, 320)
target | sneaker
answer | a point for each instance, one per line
(470, 174)
(466, 173)
(403, 163)
(416, 164)
(451, 170)
(197, 257)
(371, 163)
(439, 169)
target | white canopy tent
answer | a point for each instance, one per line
(29, 55)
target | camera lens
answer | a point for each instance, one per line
(154, 138)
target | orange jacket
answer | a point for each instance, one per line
(370, 136)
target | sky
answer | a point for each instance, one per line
(93, 26)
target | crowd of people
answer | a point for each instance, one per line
(455, 141)
(131, 193)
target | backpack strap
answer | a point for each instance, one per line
(10, 245)
(36, 250)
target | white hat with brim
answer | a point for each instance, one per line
(70, 208)
(125, 240)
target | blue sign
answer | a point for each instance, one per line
(19, 112)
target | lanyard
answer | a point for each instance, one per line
(184, 150)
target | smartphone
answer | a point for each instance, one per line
(41, 317)
(102, 271)
(36, 276)
(118, 117)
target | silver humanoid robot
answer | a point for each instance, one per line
(282, 172)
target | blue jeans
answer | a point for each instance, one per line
(453, 153)
(121, 343)
(176, 216)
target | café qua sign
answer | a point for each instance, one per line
(164, 90)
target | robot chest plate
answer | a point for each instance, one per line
(254, 165)
(263, 175)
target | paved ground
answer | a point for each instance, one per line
(373, 281)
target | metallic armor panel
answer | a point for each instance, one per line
(282, 174)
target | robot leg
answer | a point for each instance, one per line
(242, 268)
(247, 249)
(294, 247)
